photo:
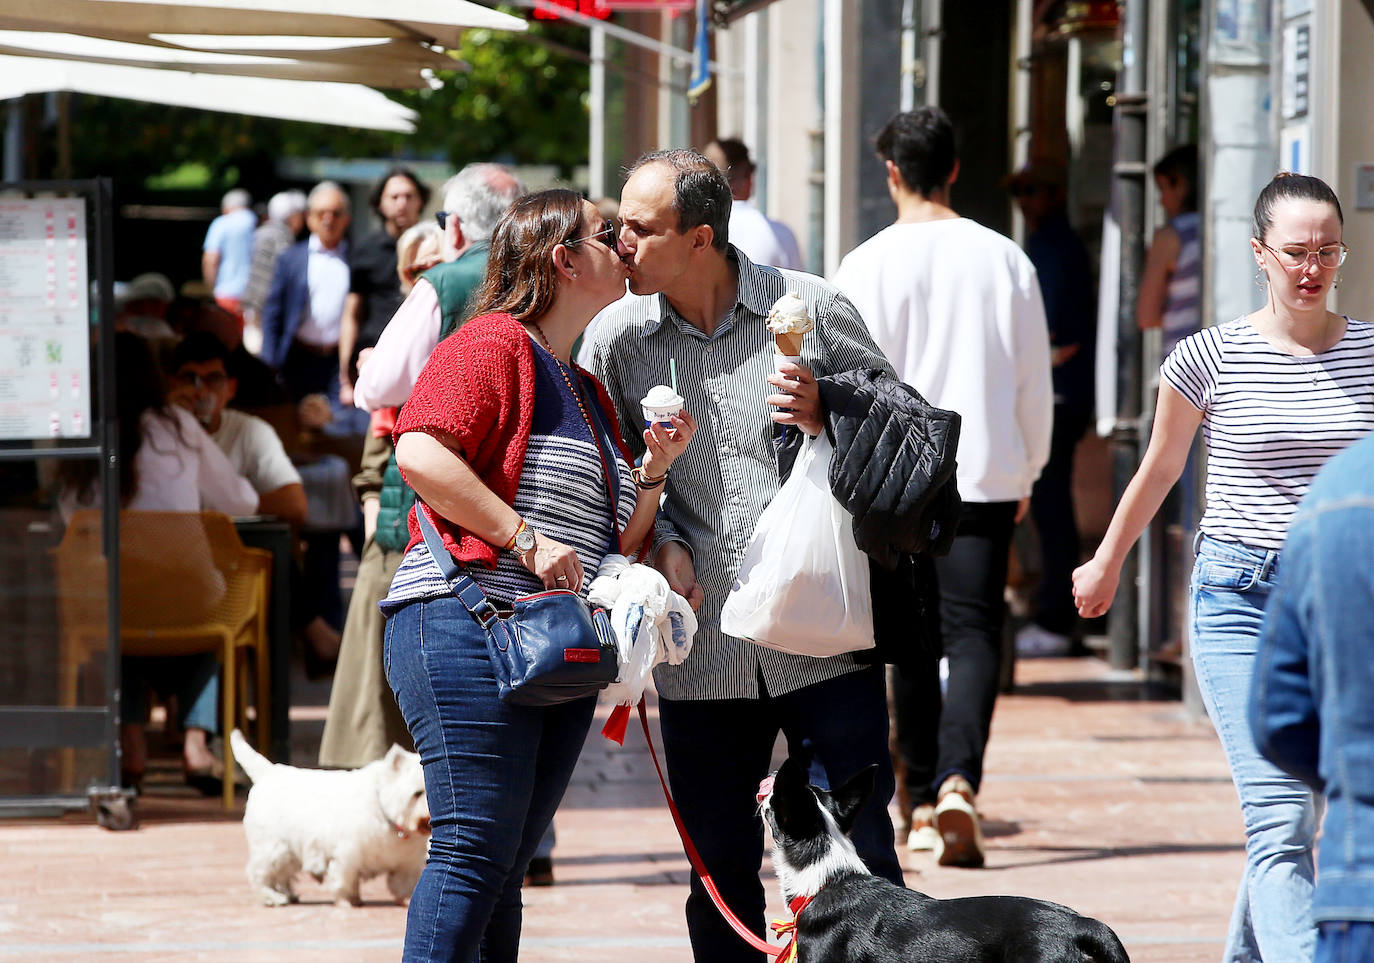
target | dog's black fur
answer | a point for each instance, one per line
(855, 917)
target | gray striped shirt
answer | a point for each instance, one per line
(722, 483)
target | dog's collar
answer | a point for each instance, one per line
(783, 927)
(396, 828)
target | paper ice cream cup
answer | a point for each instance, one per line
(659, 406)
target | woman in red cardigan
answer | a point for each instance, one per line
(498, 441)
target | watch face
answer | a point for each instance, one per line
(524, 541)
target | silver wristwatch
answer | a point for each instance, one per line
(524, 541)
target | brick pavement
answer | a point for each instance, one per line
(1099, 794)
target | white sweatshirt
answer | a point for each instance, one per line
(957, 309)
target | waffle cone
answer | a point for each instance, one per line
(788, 344)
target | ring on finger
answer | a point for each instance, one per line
(561, 578)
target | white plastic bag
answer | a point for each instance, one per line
(803, 585)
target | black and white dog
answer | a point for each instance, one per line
(848, 915)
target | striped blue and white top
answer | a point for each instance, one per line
(562, 494)
(1183, 300)
(720, 485)
(1270, 420)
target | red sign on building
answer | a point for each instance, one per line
(601, 9)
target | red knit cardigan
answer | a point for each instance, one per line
(478, 387)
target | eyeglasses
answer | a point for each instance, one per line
(1293, 256)
(441, 217)
(608, 232)
(192, 379)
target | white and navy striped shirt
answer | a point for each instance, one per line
(718, 488)
(562, 494)
(1270, 420)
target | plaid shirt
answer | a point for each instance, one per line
(269, 240)
(728, 474)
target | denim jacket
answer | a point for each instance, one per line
(1313, 706)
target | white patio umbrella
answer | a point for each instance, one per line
(345, 105)
(381, 72)
(432, 21)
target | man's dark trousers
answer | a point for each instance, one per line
(717, 751)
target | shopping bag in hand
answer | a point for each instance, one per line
(803, 585)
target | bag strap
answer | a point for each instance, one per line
(605, 449)
(464, 588)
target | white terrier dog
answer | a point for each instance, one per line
(340, 826)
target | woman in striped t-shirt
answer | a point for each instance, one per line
(501, 440)
(1277, 392)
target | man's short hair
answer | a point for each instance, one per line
(701, 194)
(921, 143)
(479, 194)
(324, 186)
(198, 348)
(285, 203)
(375, 201)
(732, 150)
(238, 197)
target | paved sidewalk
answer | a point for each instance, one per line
(1098, 795)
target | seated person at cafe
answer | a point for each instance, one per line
(167, 463)
(201, 383)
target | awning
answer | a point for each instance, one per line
(344, 105)
(380, 72)
(432, 21)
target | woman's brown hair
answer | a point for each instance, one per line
(521, 278)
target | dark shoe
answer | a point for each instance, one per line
(539, 872)
(208, 781)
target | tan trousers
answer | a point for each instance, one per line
(363, 719)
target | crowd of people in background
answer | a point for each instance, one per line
(319, 378)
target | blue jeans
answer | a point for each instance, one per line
(717, 751)
(1345, 941)
(494, 773)
(1272, 919)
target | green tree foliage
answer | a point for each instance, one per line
(521, 101)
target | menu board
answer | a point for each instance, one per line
(45, 323)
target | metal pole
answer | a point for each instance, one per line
(596, 152)
(1129, 170)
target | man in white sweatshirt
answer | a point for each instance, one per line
(957, 309)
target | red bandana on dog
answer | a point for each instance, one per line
(782, 927)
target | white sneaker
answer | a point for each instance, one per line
(957, 825)
(1033, 641)
(922, 837)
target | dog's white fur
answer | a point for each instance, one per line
(840, 856)
(340, 826)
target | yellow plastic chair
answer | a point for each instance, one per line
(187, 585)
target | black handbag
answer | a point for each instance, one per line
(551, 648)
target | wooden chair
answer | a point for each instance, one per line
(187, 585)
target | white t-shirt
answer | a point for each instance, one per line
(753, 233)
(957, 309)
(255, 451)
(180, 469)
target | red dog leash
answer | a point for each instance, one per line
(693, 857)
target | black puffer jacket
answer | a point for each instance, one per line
(893, 468)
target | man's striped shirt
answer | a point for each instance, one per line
(1270, 419)
(718, 488)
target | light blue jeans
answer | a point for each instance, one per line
(1272, 919)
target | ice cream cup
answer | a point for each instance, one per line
(660, 405)
(662, 416)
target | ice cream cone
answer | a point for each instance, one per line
(788, 344)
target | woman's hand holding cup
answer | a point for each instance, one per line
(663, 445)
